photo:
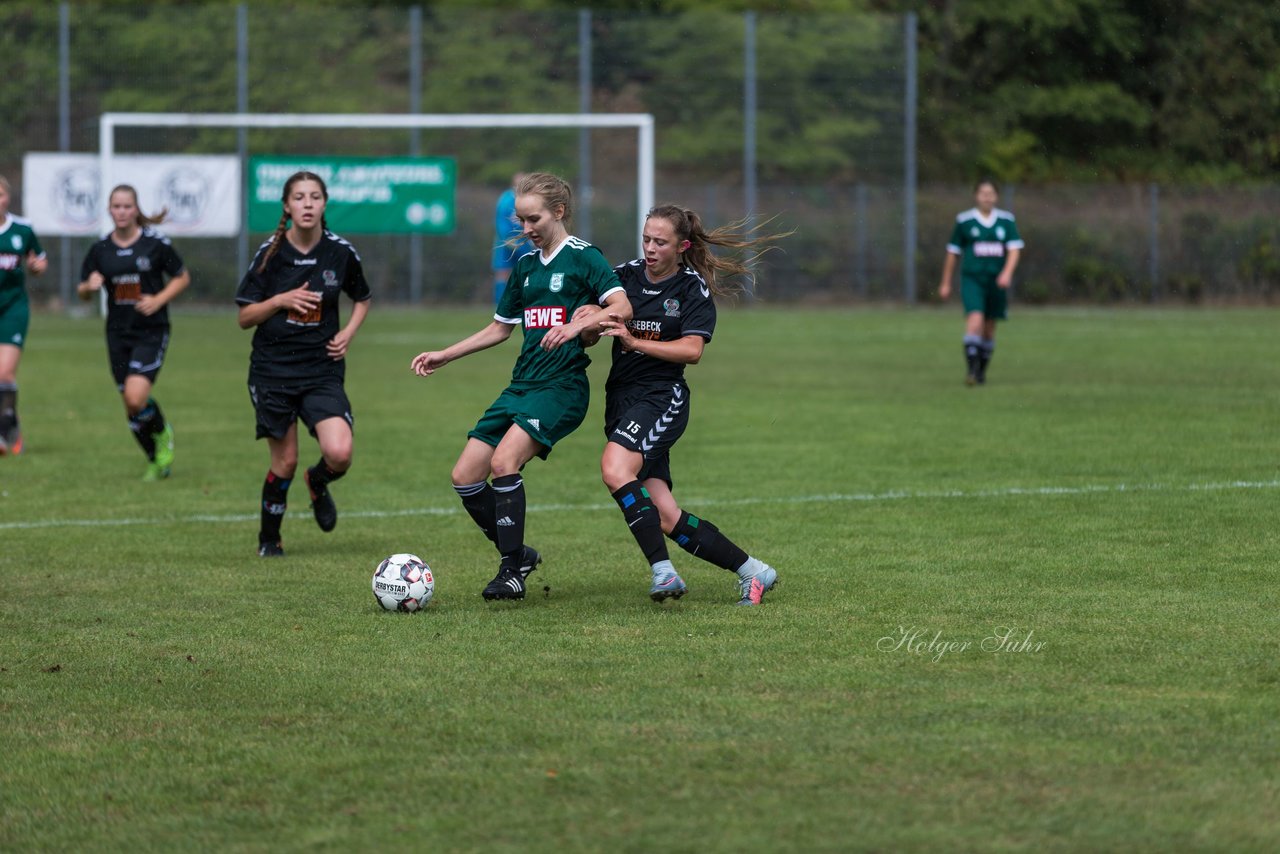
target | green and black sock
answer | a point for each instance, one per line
(145, 425)
(703, 540)
(643, 520)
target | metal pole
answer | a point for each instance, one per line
(860, 240)
(585, 190)
(1153, 238)
(242, 134)
(749, 113)
(64, 138)
(645, 169)
(909, 238)
(415, 141)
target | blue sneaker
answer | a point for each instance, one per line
(754, 586)
(667, 585)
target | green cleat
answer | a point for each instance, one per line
(155, 472)
(164, 448)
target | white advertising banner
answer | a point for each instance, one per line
(62, 194)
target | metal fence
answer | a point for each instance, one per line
(807, 117)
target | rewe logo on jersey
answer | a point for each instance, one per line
(544, 316)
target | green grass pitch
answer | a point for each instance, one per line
(1107, 504)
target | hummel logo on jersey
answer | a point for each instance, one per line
(535, 424)
(506, 522)
(650, 293)
(544, 316)
(305, 262)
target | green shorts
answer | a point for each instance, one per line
(547, 413)
(15, 317)
(986, 296)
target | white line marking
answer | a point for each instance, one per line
(831, 498)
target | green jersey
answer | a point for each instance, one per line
(543, 292)
(17, 240)
(983, 242)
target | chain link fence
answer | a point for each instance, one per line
(826, 96)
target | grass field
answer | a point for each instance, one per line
(1109, 499)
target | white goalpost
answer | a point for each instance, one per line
(642, 122)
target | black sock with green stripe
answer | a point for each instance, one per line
(643, 520)
(703, 540)
(145, 425)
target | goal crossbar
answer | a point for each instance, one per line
(642, 122)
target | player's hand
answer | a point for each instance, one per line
(615, 328)
(35, 264)
(944, 290)
(426, 364)
(337, 345)
(589, 336)
(148, 304)
(558, 335)
(300, 299)
(1004, 280)
(91, 284)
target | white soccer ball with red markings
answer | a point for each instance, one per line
(403, 582)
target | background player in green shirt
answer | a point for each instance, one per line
(19, 249)
(549, 392)
(987, 238)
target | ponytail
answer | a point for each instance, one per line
(716, 270)
(143, 220)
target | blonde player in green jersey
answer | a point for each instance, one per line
(19, 250)
(549, 392)
(988, 241)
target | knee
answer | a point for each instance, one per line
(615, 475)
(338, 457)
(501, 465)
(285, 465)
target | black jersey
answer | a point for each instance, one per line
(131, 271)
(669, 310)
(290, 345)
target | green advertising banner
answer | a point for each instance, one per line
(367, 195)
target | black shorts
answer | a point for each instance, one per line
(138, 352)
(649, 422)
(279, 404)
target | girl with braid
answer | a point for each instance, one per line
(129, 267)
(290, 294)
(672, 290)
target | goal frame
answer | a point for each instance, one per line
(641, 122)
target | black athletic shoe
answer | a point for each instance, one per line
(322, 504)
(270, 550)
(507, 584)
(529, 561)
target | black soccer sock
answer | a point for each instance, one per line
(972, 352)
(478, 500)
(702, 539)
(643, 520)
(508, 510)
(321, 475)
(144, 427)
(8, 409)
(985, 351)
(275, 495)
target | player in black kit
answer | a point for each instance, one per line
(129, 267)
(647, 400)
(297, 368)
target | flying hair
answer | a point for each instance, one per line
(141, 219)
(720, 272)
(552, 189)
(273, 245)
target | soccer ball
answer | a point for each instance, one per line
(403, 582)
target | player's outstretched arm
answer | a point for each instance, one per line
(426, 364)
(590, 336)
(617, 305)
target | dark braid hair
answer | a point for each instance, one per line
(281, 227)
(715, 269)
